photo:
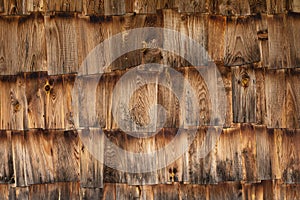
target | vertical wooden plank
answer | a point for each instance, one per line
(244, 94)
(216, 38)
(192, 26)
(66, 153)
(290, 156)
(114, 158)
(144, 6)
(35, 96)
(263, 38)
(260, 97)
(93, 7)
(166, 191)
(225, 7)
(114, 7)
(4, 191)
(64, 190)
(225, 191)
(292, 99)
(192, 6)
(283, 33)
(275, 98)
(91, 168)
(38, 163)
(61, 43)
(8, 46)
(276, 152)
(276, 7)
(109, 192)
(203, 168)
(35, 6)
(19, 159)
(258, 6)
(249, 155)
(13, 102)
(294, 6)
(194, 192)
(54, 103)
(241, 42)
(69, 112)
(64, 6)
(6, 166)
(166, 4)
(2, 6)
(229, 158)
(263, 149)
(91, 194)
(31, 45)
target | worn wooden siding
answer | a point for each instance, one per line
(256, 47)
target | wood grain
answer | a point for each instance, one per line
(61, 44)
(241, 42)
(6, 166)
(244, 94)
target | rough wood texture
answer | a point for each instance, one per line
(241, 42)
(284, 42)
(244, 94)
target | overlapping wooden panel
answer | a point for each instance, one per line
(13, 102)
(276, 7)
(284, 42)
(91, 158)
(192, 26)
(294, 6)
(235, 7)
(6, 165)
(8, 46)
(63, 6)
(244, 94)
(45, 157)
(32, 50)
(61, 44)
(241, 42)
(275, 98)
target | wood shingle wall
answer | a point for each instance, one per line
(256, 47)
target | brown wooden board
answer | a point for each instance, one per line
(32, 50)
(241, 41)
(244, 94)
(61, 44)
(6, 165)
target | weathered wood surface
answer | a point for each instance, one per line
(59, 45)
(247, 153)
(228, 190)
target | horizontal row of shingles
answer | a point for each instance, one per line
(233, 191)
(59, 45)
(120, 7)
(245, 153)
(37, 100)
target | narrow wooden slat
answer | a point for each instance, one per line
(275, 98)
(64, 6)
(276, 7)
(244, 94)
(192, 6)
(91, 158)
(216, 38)
(241, 42)
(260, 96)
(290, 156)
(6, 166)
(36, 6)
(228, 8)
(248, 152)
(91, 193)
(144, 6)
(13, 103)
(61, 43)
(35, 96)
(225, 191)
(294, 6)
(8, 46)
(229, 160)
(114, 7)
(31, 45)
(93, 7)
